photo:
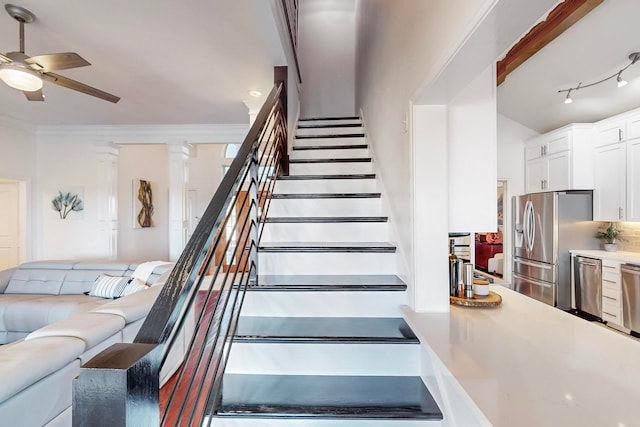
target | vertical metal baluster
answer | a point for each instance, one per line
(254, 215)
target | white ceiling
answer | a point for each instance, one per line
(171, 62)
(594, 48)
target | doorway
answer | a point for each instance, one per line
(12, 223)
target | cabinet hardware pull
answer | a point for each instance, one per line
(611, 298)
(620, 213)
(619, 135)
(610, 281)
(609, 266)
(612, 315)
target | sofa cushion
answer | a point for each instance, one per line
(81, 281)
(5, 276)
(92, 328)
(132, 307)
(36, 281)
(25, 313)
(47, 265)
(25, 363)
(102, 265)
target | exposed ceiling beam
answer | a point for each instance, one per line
(559, 19)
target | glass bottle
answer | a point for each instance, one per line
(453, 270)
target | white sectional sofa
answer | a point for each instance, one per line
(55, 328)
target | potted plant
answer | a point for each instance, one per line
(610, 236)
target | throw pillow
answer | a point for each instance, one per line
(107, 286)
(134, 285)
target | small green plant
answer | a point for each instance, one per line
(611, 234)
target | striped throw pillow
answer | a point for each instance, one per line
(134, 285)
(107, 286)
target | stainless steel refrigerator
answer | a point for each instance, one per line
(546, 227)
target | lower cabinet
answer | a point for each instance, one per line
(611, 292)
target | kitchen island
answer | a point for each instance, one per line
(525, 363)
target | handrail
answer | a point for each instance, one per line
(224, 243)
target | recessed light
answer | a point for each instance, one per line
(255, 93)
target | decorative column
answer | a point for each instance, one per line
(178, 191)
(254, 105)
(107, 187)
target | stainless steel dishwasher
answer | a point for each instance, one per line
(588, 285)
(631, 296)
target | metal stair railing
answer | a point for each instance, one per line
(195, 315)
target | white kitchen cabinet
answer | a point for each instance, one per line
(609, 131)
(609, 196)
(633, 180)
(611, 292)
(560, 160)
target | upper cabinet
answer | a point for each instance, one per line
(560, 160)
(617, 169)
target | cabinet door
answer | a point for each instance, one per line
(609, 192)
(535, 175)
(609, 133)
(558, 171)
(633, 180)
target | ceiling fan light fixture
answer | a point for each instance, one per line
(20, 78)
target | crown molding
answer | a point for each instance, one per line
(152, 134)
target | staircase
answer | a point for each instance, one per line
(320, 340)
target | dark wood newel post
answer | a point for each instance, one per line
(280, 75)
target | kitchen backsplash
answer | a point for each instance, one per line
(631, 235)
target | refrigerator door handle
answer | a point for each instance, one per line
(534, 281)
(529, 225)
(533, 264)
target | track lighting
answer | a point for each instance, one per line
(634, 57)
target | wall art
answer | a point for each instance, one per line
(142, 204)
(68, 203)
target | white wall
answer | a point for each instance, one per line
(326, 51)
(206, 172)
(472, 155)
(511, 138)
(399, 43)
(149, 162)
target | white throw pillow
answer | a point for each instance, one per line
(134, 285)
(107, 286)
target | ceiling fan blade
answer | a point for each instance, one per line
(80, 87)
(58, 61)
(36, 95)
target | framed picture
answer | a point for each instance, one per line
(142, 203)
(67, 203)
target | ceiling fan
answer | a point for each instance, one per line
(27, 74)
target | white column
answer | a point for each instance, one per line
(254, 106)
(430, 209)
(178, 190)
(107, 186)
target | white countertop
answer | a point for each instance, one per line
(632, 257)
(528, 364)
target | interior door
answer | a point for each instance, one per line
(9, 225)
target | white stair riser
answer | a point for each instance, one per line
(327, 130)
(325, 232)
(352, 153)
(309, 142)
(327, 263)
(325, 207)
(329, 168)
(324, 303)
(324, 359)
(329, 122)
(328, 422)
(305, 186)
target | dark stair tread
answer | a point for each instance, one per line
(324, 329)
(333, 160)
(313, 119)
(332, 176)
(321, 247)
(310, 282)
(324, 219)
(330, 147)
(344, 135)
(318, 396)
(327, 196)
(333, 125)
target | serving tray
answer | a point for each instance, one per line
(491, 300)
